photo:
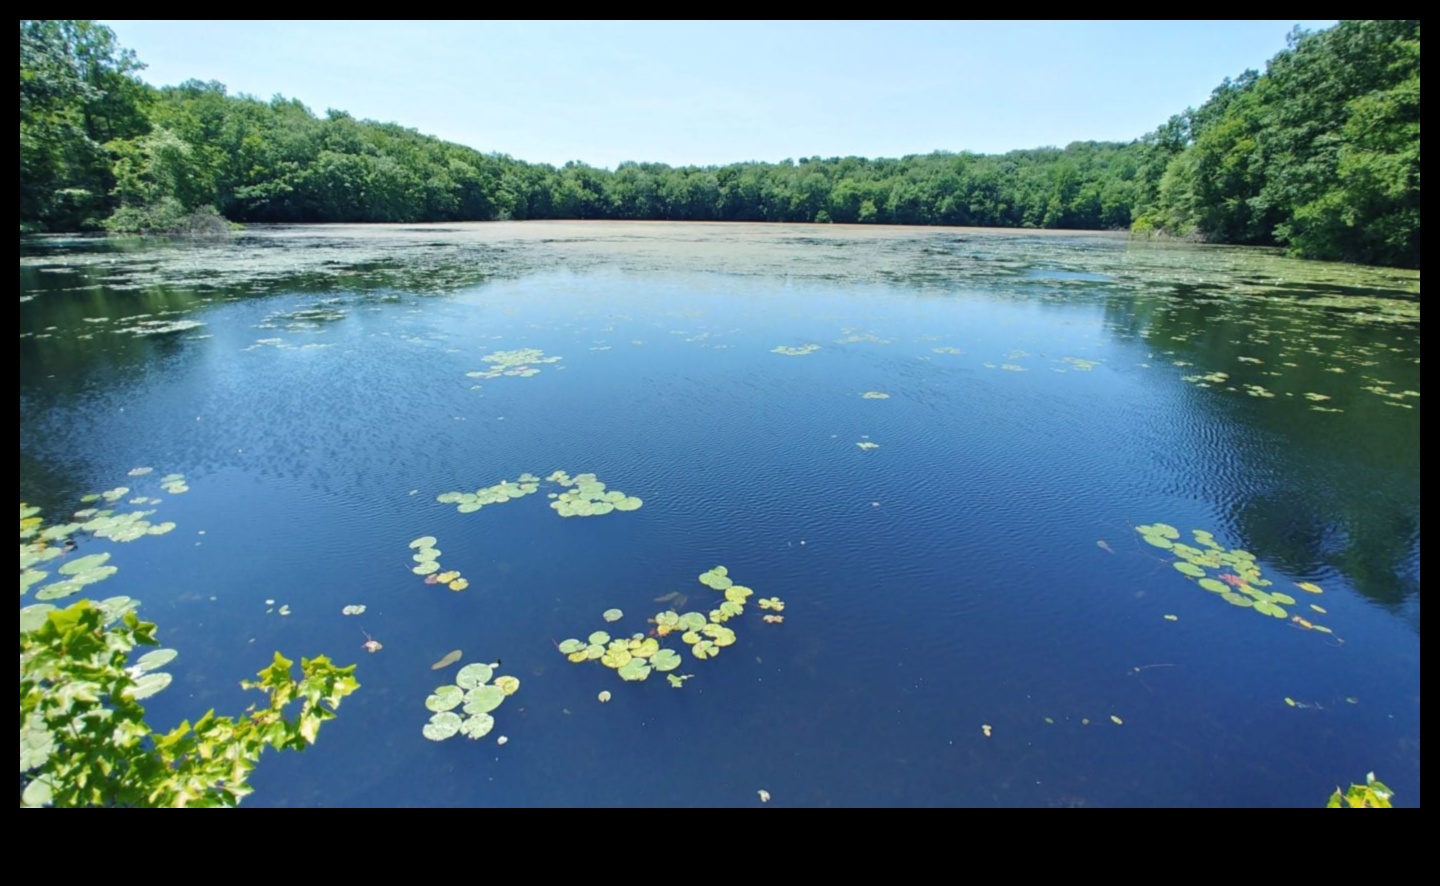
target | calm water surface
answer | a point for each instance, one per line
(980, 568)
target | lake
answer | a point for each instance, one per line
(970, 464)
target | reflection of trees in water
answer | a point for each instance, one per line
(1315, 489)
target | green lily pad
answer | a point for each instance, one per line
(82, 564)
(477, 726)
(442, 726)
(508, 685)
(599, 637)
(692, 621)
(148, 684)
(59, 590)
(156, 658)
(635, 670)
(1158, 541)
(704, 649)
(571, 645)
(424, 541)
(1189, 569)
(1282, 598)
(34, 615)
(426, 567)
(483, 699)
(1268, 608)
(30, 577)
(1214, 586)
(720, 635)
(594, 651)
(445, 698)
(426, 554)
(612, 615)
(690, 637)
(473, 675)
(1237, 600)
(737, 593)
(90, 576)
(628, 503)
(730, 609)
(666, 660)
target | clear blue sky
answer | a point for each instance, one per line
(711, 93)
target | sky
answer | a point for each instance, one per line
(709, 93)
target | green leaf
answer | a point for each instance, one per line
(666, 660)
(1189, 569)
(445, 698)
(473, 675)
(442, 726)
(508, 685)
(483, 699)
(147, 685)
(477, 726)
(612, 615)
(157, 658)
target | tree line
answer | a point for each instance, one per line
(1319, 154)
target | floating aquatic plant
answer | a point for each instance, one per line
(1233, 575)
(427, 563)
(612, 615)
(356, 609)
(867, 445)
(875, 395)
(800, 351)
(473, 695)
(521, 363)
(635, 658)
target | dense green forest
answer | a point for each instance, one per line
(1321, 154)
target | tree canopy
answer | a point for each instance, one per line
(1321, 153)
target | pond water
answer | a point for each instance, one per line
(971, 616)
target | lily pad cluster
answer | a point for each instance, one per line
(506, 490)
(47, 552)
(1233, 575)
(636, 657)
(427, 563)
(800, 351)
(585, 495)
(588, 497)
(522, 363)
(475, 695)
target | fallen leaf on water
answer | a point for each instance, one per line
(501, 740)
(1290, 701)
(1307, 586)
(450, 658)
(1116, 720)
(1172, 618)
(985, 728)
(1319, 609)
(764, 795)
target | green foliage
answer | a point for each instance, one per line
(1321, 153)
(1373, 794)
(84, 740)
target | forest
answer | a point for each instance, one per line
(1319, 154)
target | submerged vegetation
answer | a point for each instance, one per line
(1321, 153)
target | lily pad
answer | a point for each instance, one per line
(442, 726)
(1268, 608)
(82, 564)
(1189, 569)
(477, 726)
(354, 609)
(34, 615)
(666, 660)
(637, 669)
(604, 696)
(426, 567)
(484, 699)
(508, 685)
(571, 645)
(1214, 586)
(155, 658)
(445, 698)
(459, 584)
(612, 615)
(59, 590)
(473, 675)
(424, 541)
(147, 685)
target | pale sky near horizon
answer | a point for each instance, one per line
(708, 93)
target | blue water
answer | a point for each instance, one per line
(949, 580)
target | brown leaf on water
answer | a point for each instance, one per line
(450, 658)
